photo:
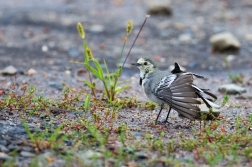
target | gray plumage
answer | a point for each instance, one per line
(174, 88)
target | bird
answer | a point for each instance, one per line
(175, 88)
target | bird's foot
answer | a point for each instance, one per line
(162, 123)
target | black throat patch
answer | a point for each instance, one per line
(141, 79)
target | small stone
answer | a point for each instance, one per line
(248, 37)
(96, 28)
(137, 134)
(224, 41)
(141, 156)
(185, 37)
(9, 70)
(179, 25)
(42, 116)
(27, 148)
(88, 157)
(26, 154)
(231, 89)
(68, 72)
(3, 142)
(4, 156)
(192, 64)
(12, 147)
(56, 85)
(91, 154)
(244, 97)
(3, 148)
(164, 25)
(128, 150)
(206, 114)
(230, 58)
(31, 72)
(69, 142)
(44, 48)
(74, 52)
(81, 72)
(159, 7)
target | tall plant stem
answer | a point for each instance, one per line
(146, 17)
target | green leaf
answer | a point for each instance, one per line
(120, 89)
(86, 102)
(28, 131)
(56, 134)
(99, 68)
(89, 84)
(95, 72)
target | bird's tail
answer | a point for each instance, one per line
(209, 102)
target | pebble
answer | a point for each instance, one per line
(74, 52)
(9, 70)
(4, 156)
(26, 154)
(141, 156)
(164, 25)
(44, 48)
(231, 89)
(92, 154)
(3, 142)
(68, 72)
(56, 85)
(185, 37)
(223, 41)
(27, 148)
(137, 134)
(248, 37)
(128, 150)
(159, 7)
(230, 58)
(31, 72)
(205, 110)
(244, 97)
(88, 156)
(12, 147)
(42, 116)
(96, 28)
(192, 64)
(3, 148)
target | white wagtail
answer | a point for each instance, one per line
(174, 88)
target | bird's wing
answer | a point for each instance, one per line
(178, 92)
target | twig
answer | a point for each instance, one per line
(146, 17)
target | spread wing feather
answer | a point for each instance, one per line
(181, 94)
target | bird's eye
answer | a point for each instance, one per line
(145, 63)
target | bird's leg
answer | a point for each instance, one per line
(166, 120)
(161, 108)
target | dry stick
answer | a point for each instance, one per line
(146, 17)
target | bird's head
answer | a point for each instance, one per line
(145, 65)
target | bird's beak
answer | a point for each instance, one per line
(135, 64)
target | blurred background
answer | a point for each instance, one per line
(42, 34)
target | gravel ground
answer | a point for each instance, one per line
(42, 35)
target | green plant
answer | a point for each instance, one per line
(46, 139)
(92, 65)
(235, 78)
(110, 80)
